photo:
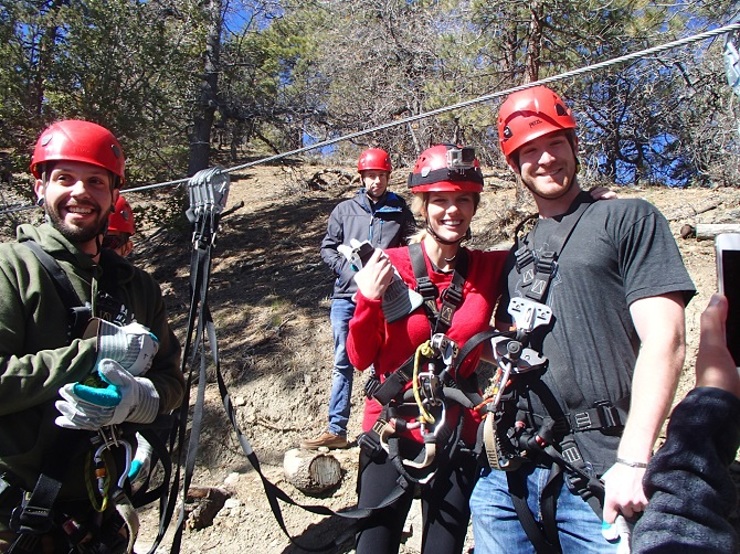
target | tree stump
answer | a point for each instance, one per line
(202, 505)
(311, 472)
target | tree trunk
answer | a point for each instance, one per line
(205, 110)
(534, 42)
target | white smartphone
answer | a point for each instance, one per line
(728, 283)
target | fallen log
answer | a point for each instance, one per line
(707, 231)
(311, 472)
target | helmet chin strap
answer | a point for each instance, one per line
(101, 234)
(467, 236)
(98, 245)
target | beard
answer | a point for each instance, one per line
(557, 192)
(73, 233)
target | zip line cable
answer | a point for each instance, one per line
(732, 27)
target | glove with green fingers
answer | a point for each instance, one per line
(123, 398)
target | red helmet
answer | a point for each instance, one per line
(122, 219)
(530, 114)
(446, 168)
(374, 158)
(79, 141)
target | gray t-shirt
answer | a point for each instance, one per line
(620, 251)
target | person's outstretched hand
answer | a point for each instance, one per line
(714, 364)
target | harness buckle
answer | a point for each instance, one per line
(572, 454)
(609, 415)
(426, 288)
(524, 257)
(29, 519)
(452, 295)
(582, 419)
(372, 385)
(546, 263)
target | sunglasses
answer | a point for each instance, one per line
(114, 241)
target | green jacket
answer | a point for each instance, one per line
(36, 357)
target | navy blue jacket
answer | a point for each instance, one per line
(386, 224)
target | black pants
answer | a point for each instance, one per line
(444, 503)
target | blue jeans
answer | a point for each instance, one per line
(496, 527)
(342, 310)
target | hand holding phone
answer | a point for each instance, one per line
(728, 283)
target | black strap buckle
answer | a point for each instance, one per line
(453, 295)
(546, 263)
(604, 417)
(571, 453)
(609, 415)
(426, 288)
(33, 520)
(372, 385)
(524, 257)
(582, 421)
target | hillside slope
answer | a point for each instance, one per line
(269, 299)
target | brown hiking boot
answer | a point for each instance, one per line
(327, 439)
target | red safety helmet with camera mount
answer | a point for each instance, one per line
(446, 168)
(374, 158)
(122, 218)
(79, 141)
(530, 114)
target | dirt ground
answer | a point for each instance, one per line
(269, 299)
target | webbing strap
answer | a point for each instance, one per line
(128, 514)
(472, 343)
(61, 281)
(537, 269)
(200, 323)
(452, 297)
(208, 190)
(395, 383)
(78, 313)
(536, 532)
(200, 274)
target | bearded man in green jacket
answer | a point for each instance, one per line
(73, 378)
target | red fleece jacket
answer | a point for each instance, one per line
(386, 346)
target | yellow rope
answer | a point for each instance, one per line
(425, 349)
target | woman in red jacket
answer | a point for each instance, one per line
(414, 431)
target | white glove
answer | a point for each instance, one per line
(78, 413)
(126, 398)
(133, 345)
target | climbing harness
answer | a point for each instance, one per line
(36, 515)
(512, 435)
(431, 371)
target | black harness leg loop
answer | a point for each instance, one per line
(535, 532)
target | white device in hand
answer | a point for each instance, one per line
(728, 283)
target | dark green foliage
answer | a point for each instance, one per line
(289, 73)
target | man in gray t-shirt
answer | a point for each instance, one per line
(615, 340)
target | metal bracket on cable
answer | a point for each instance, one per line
(209, 191)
